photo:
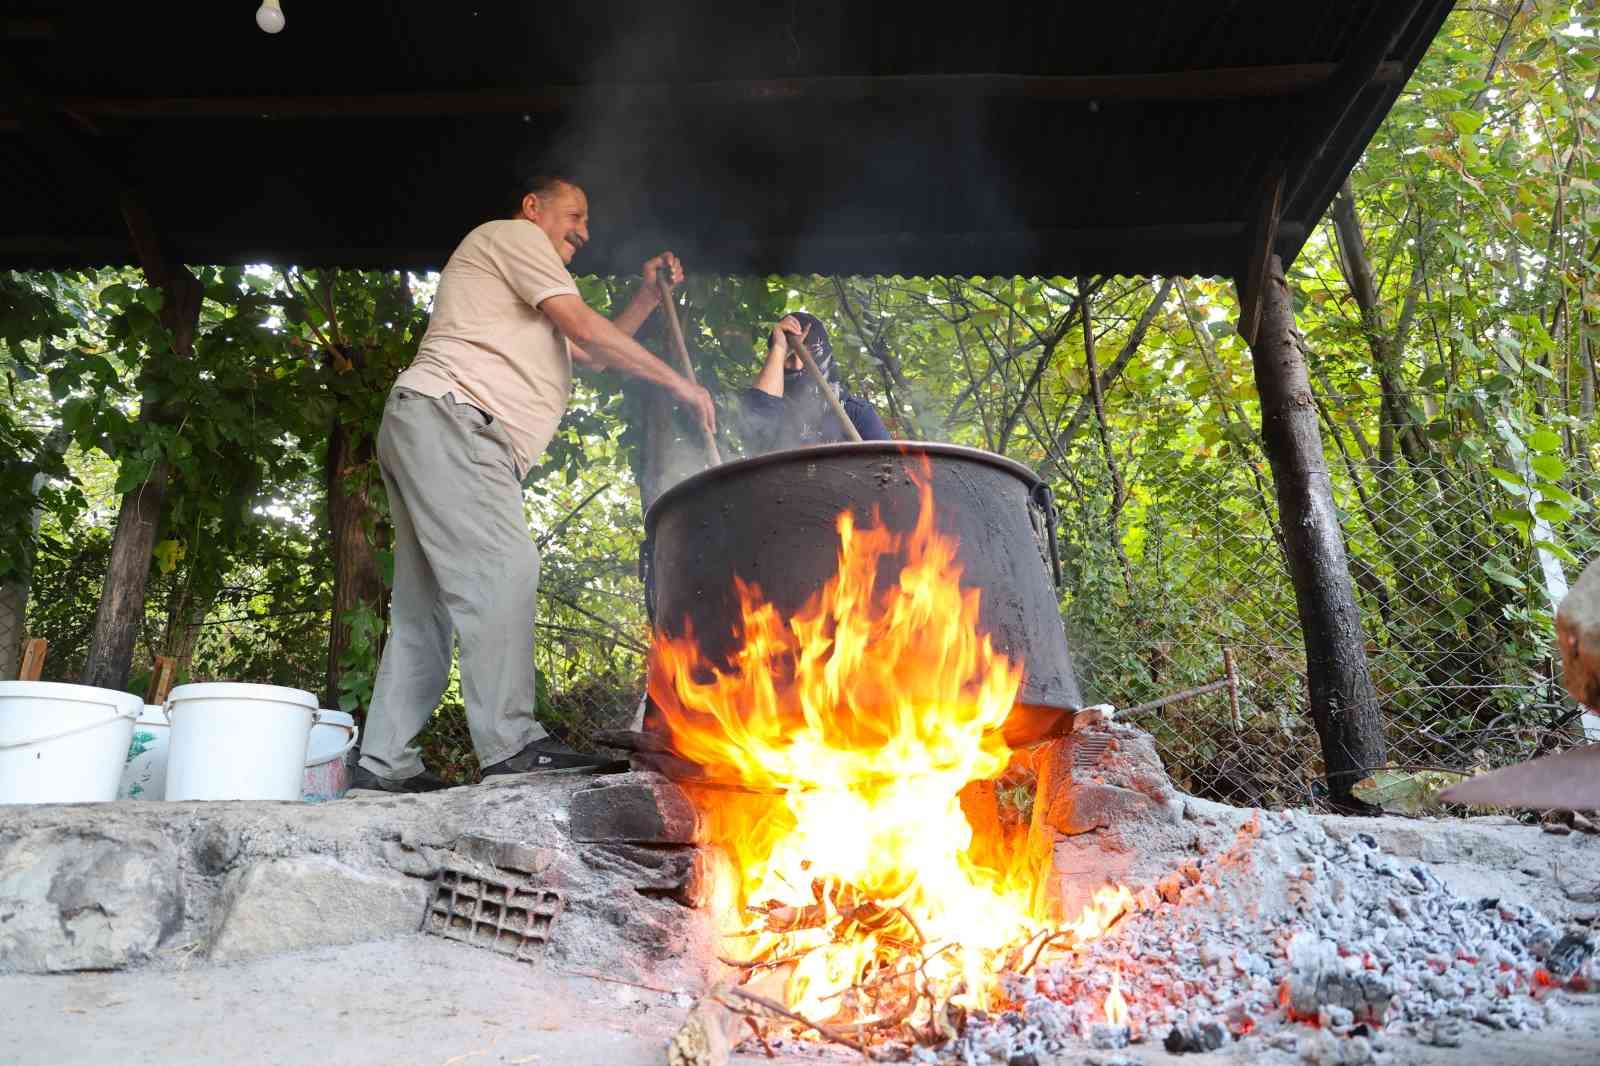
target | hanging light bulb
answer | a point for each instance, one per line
(269, 16)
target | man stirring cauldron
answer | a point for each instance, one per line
(462, 426)
(785, 407)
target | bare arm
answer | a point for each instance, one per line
(770, 380)
(608, 347)
(639, 309)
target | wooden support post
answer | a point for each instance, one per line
(33, 653)
(1344, 703)
(161, 679)
(1263, 235)
(1233, 690)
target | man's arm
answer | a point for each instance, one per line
(610, 348)
(639, 309)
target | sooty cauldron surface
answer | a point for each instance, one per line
(770, 520)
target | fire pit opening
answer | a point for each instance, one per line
(927, 847)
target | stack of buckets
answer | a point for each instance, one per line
(78, 744)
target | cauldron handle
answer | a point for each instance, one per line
(1042, 503)
(647, 574)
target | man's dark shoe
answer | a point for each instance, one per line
(361, 777)
(551, 756)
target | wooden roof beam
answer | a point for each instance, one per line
(1337, 99)
(1216, 84)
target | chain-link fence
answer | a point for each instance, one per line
(1455, 601)
(1456, 574)
(12, 628)
(1185, 587)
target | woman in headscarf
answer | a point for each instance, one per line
(785, 407)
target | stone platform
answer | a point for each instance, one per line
(116, 885)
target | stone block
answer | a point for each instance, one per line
(307, 901)
(682, 874)
(634, 808)
(72, 899)
(1088, 807)
(506, 854)
(411, 862)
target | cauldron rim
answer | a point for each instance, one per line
(907, 448)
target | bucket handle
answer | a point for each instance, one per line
(350, 742)
(28, 742)
(166, 712)
(647, 574)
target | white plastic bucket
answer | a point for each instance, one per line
(144, 774)
(63, 743)
(234, 742)
(327, 775)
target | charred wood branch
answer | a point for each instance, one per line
(1344, 703)
(1263, 238)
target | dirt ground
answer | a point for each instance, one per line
(427, 1001)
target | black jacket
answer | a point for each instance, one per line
(763, 422)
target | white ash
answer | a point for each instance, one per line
(1299, 941)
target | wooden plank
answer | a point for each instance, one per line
(161, 679)
(1263, 236)
(33, 653)
(1222, 83)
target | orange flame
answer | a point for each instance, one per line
(855, 724)
(1116, 1007)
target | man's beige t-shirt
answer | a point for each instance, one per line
(488, 342)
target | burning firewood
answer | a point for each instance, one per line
(710, 1033)
(706, 1037)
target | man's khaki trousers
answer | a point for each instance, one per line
(463, 564)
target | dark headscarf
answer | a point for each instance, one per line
(808, 418)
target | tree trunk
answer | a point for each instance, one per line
(116, 623)
(14, 593)
(1344, 704)
(356, 578)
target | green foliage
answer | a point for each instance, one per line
(358, 664)
(1457, 413)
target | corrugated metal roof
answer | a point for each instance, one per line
(831, 136)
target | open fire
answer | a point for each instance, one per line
(842, 738)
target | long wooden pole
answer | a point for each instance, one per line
(685, 366)
(797, 346)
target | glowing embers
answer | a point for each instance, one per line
(853, 727)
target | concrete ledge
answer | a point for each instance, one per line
(106, 886)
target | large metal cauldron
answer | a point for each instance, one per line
(771, 520)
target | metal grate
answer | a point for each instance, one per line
(515, 919)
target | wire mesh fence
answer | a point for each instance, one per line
(13, 628)
(1185, 587)
(1455, 604)
(1454, 572)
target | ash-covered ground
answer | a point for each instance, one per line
(1297, 941)
(1289, 937)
